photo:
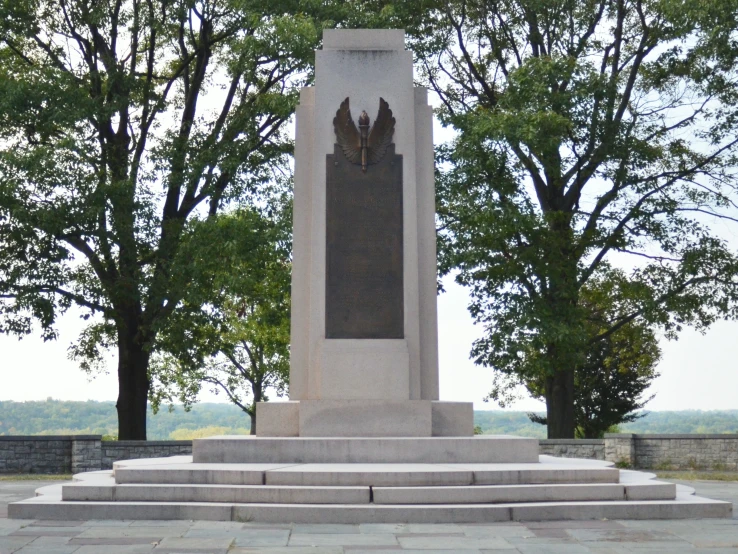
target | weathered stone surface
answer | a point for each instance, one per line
(593, 449)
(674, 451)
(255, 449)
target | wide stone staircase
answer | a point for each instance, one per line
(366, 480)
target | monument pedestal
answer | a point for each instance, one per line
(365, 450)
(365, 418)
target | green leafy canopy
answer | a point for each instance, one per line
(590, 136)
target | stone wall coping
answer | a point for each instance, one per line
(680, 436)
(571, 441)
(50, 437)
(685, 436)
(122, 444)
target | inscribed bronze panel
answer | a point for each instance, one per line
(364, 256)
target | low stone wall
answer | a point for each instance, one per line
(112, 451)
(697, 452)
(593, 449)
(47, 453)
(79, 453)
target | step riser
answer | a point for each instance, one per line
(80, 511)
(184, 477)
(276, 513)
(519, 494)
(546, 477)
(251, 495)
(370, 479)
(361, 495)
(365, 478)
(301, 450)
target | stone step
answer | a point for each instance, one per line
(246, 494)
(437, 450)
(196, 474)
(270, 494)
(684, 506)
(398, 475)
(378, 475)
(500, 494)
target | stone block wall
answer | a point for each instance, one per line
(80, 453)
(697, 452)
(86, 454)
(36, 454)
(112, 451)
(620, 448)
(593, 449)
(77, 453)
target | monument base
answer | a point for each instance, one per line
(551, 489)
(246, 449)
(365, 418)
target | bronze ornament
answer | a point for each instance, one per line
(363, 146)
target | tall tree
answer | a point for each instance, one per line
(235, 336)
(588, 132)
(610, 383)
(121, 122)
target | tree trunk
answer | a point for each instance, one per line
(560, 405)
(133, 386)
(252, 415)
(565, 331)
(257, 389)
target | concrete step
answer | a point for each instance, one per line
(437, 450)
(500, 494)
(683, 507)
(398, 475)
(232, 494)
(196, 474)
(270, 494)
(378, 475)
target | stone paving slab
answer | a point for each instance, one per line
(119, 541)
(342, 539)
(292, 550)
(136, 549)
(38, 531)
(10, 544)
(49, 549)
(145, 532)
(194, 545)
(452, 542)
(245, 537)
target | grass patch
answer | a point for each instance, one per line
(34, 477)
(698, 475)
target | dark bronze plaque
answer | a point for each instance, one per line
(364, 280)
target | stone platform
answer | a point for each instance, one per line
(367, 488)
(353, 450)
(365, 417)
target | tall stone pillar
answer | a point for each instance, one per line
(364, 346)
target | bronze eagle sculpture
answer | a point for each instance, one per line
(364, 146)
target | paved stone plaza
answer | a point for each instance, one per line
(131, 537)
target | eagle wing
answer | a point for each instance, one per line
(347, 135)
(380, 137)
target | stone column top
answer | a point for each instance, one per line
(364, 39)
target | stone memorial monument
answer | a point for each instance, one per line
(364, 437)
(364, 348)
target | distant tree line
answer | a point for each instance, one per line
(57, 417)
